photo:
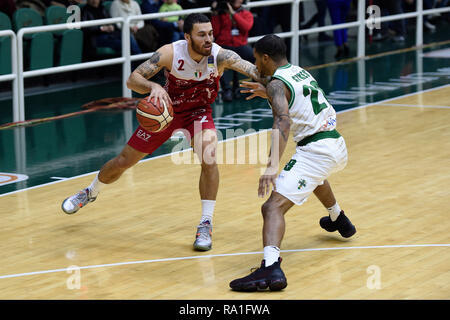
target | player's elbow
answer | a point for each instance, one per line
(132, 83)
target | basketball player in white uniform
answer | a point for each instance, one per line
(300, 106)
(193, 68)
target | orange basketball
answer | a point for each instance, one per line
(154, 117)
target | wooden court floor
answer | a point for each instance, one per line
(135, 241)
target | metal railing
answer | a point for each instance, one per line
(13, 75)
(18, 74)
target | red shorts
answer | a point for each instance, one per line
(193, 121)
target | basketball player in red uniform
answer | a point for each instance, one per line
(193, 68)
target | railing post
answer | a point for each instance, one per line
(419, 23)
(295, 27)
(20, 81)
(126, 66)
(15, 88)
(361, 50)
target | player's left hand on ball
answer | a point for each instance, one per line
(267, 179)
(255, 88)
(159, 94)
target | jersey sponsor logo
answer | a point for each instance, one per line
(211, 62)
(143, 135)
(7, 178)
(329, 123)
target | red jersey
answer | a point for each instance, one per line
(190, 84)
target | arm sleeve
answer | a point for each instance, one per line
(215, 22)
(244, 20)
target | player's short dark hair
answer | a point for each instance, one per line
(271, 45)
(192, 19)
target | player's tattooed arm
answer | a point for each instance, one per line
(139, 78)
(278, 94)
(227, 59)
(150, 67)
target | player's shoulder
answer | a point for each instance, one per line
(165, 55)
(276, 85)
(226, 55)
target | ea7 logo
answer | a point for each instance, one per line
(143, 135)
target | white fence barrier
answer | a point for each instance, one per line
(18, 74)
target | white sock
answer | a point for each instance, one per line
(271, 255)
(96, 187)
(207, 210)
(334, 211)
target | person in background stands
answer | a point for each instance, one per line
(172, 5)
(8, 7)
(318, 18)
(145, 34)
(231, 24)
(104, 35)
(338, 11)
(165, 29)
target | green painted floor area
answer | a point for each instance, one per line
(82, 144)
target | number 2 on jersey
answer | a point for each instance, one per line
(313, 89)
(180, 64)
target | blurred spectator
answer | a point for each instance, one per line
(270, 17)
(442, 4)
(145, 34)
(193, 4)
(429, 21)
(172, 5)
(37, 5)
(318, 18)
(165, 29)
(428, 4)
(338, 11)
(231, 24)
(8, 7)
(397, 27)
(41, 5)
(104, 35)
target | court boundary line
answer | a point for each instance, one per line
(227, 140)
(70, 268)
(414, 106)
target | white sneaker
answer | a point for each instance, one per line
(429, 26)
(77, 201)
(203, 241)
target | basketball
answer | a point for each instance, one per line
(154, 117)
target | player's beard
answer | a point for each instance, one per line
(200, 49)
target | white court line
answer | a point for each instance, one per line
(414, 106)
(172, 153)
(219, 255)
(390, 99)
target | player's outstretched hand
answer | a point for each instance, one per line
(265, 181)
(159, 94)
(255, 88)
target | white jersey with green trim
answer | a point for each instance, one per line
(309, 110)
